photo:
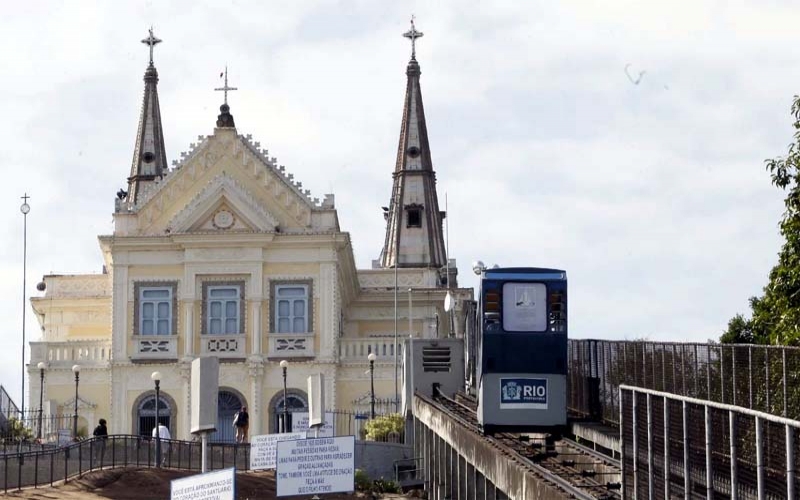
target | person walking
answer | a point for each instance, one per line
(241, 423)
(101, 436)
(162, 433)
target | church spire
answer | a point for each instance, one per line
(414, 236)
(149, 154)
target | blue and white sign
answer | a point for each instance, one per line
(523, 393)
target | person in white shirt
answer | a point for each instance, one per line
(163, 433)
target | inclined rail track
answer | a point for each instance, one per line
(577, 470)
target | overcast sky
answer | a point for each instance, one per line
(622, 141)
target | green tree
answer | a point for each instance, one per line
(775, 317)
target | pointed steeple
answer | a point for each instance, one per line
(414, 236)
(149, 154)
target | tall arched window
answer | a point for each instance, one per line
(295, 403)
(146, 415)
(228, 403)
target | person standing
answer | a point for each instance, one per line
(162, 432)
(241, 423)
(101, 436)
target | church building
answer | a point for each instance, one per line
(225, 254)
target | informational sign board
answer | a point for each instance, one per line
(263, 448)
(524, 307)
(316, 466)
(64, 437)
(300, 423)
(217, 485)
(523, 393)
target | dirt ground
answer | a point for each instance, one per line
(133, 483)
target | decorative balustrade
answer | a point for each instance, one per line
(357, 350)
(224, 346)
(67, 353)
(155, 347)
(291, 345)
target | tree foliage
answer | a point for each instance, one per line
(775, 317)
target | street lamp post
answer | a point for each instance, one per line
(284, 365)
(76, 369)
(156, 376)
(371, 359)
(42, 365)
(24, 208)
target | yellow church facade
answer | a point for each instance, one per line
(224, 254)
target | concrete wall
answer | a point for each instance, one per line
(377, 459)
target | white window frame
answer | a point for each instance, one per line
(224, 319)
(156, 301)
(292, 299)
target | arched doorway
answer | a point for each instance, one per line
(146, 414)
(228, 403)
(295, 403)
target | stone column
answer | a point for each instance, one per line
(186, 395)
(255, 313)
(255, 370)
(188, 328)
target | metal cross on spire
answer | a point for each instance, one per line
(413, 34)
(151, 40)
(226, 88)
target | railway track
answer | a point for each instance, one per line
(577, 470)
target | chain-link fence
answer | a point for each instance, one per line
(678, 447)
(763, 378)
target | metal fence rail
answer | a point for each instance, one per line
(49, 465)
(679, 447)
(763, 378)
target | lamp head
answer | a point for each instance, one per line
(371, 357)
(156, 376)
(42, 365)
(76, 369)
(478, 267)
(284, 364)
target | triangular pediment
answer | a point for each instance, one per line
(224, 205)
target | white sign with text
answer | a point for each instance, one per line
(300, 424)
(315, 466)
(217, 485)
(263, 448)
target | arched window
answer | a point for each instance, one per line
(295, 403)
(228, 403)
(146, 414)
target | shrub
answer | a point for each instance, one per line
(381, 427)
(362, 481)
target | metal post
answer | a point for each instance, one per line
(42, 365)
(396, 346)
(750, 374)
(760, 458)
(722, 374)
(77, 370)
(734, 454)
(785, 392)
(371, 358)
(709, 471)
(789, 461)
(683, 370)
(204, 451)
(708, 372)
(24, 208)
(733, 371)
(686, 469)
(634, 427)
(158, 430)
(650, 479)
(284, 365)
(410, 314)
(696, 373)
(621, 442)
(768, 409)
(666, 449)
